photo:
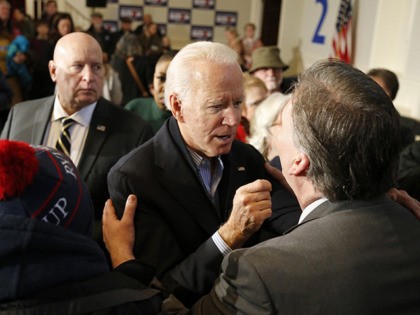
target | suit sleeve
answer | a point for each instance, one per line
(238, 290)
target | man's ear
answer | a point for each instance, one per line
(52, 68)
(176, 107)
(300, 165)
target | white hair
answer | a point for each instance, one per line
(183, 68)
(265, 114)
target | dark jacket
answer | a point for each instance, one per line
(47, 269)
(176, 217)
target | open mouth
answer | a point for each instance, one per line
(224, 137)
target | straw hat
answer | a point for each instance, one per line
(267, 57)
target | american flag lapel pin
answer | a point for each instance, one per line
(241, 168)
(100, 128)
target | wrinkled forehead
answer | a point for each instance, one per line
(83, 51)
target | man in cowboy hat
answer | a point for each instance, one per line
(268, 66)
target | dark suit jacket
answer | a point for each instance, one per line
(175, 217)
(409, 170)
(120, 131)
(357, 257)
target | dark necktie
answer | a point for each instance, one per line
(64, 142)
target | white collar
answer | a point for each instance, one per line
(309, 208)
(82, 116)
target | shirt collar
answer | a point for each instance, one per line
(82, 116)
(197, 158)
(309, 208)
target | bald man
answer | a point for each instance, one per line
(100, 132)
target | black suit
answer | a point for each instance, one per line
(113, 132)
(176, 217)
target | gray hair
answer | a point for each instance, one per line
(348, 127)
(183, 68)
(264, 116)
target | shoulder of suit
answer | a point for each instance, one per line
(123, 113)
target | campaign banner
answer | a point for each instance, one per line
(162, 3)
(226, 18)
(111, 26)
(201, 33)
(163, 29)
(179, 16)
(204, 4)
(135, 13)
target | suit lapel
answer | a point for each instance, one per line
(98, 131)
(234, 176)
(41, 118)
(181, 179)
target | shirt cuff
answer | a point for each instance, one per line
(220, 243)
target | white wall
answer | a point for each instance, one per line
(385, 35)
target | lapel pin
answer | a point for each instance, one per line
(100, 127)
(241, 168)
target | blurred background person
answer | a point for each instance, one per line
(388, 80)
(249, 44)
(62, 25)
(153, 109)
(131, 67)
(255, 92)
(268, 66)
(50, 12)
(40, 53)
(264, 117)
(102, 35)
(126, 27)
(24, 23)
(234, 42)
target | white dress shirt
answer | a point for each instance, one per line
(78, 132)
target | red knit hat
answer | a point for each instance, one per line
(43, 183)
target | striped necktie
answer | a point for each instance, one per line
(64, 142)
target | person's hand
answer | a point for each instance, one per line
(251, 206)
(119, 235)
(19, 58)
(278, 175)
(404, 199)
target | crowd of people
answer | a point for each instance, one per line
(206, 184)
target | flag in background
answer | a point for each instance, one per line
(341, 44)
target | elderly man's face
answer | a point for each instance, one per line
(211, 113)
(78, 71)
(272, 78)
(281, 140)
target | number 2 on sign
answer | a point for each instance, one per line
(318, 38)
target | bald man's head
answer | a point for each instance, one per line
(77, 70)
